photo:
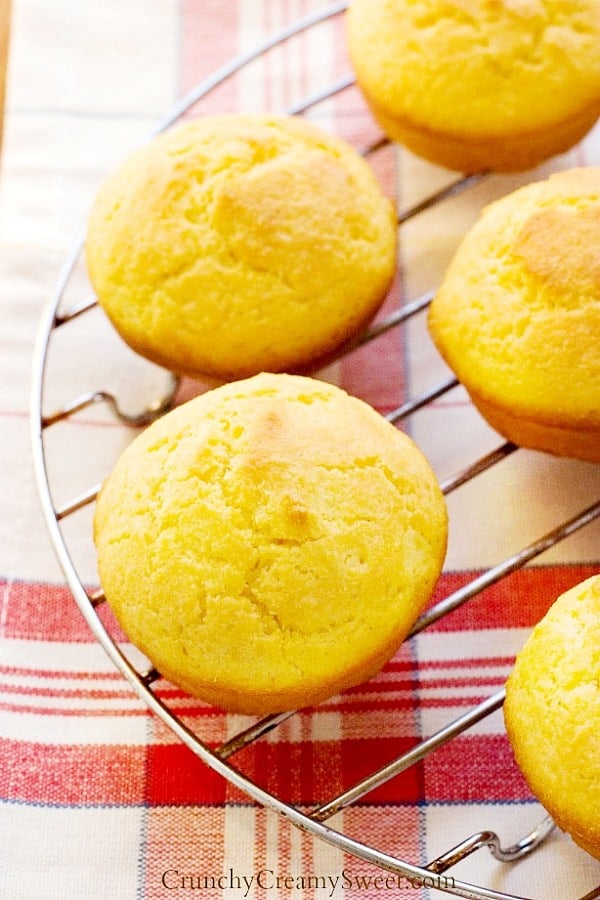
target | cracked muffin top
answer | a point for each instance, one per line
(479, 84)
(270, 542)
(235, 244)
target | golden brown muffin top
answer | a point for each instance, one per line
(482, 67)
(552, 712)
(240, 243)
(517, 315)
(274, 538)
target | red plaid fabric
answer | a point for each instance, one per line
(98, 798)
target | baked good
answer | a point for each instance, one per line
(241, 243)
(552, 712)
(476, 85)
(517, 316)
(269, 542)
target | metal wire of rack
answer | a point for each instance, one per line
(143, 678)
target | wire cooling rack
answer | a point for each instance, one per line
(143, 677)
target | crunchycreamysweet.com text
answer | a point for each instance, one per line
(332, 885)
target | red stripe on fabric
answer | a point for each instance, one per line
(187, 840)
(382, 687)
(438, 683)
(175, 693)
(260, 848)
(472, 662)
(276, 81)
(376, 372)
(71, 775)
(72, 711)
(398, 833)
(301, 773)
(367, 706)
(493, 774)
(517, 601)
(377, 376)
(445, 702)
(46, 612)
(293, 771)
(401, 704)
(92, 694)
(95, 693)
(26, 672)
(175, 775)
(172, 774)
(209, 37)
(362, 757)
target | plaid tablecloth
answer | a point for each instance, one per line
(98, 798)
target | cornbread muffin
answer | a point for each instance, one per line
(517, 316)
(269, 542)
(552, 713)
(476, 85)
(240, 243)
